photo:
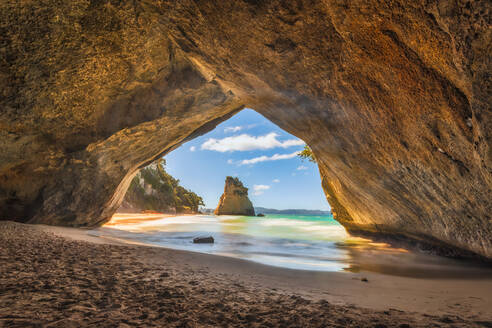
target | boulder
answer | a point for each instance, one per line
(203, 240)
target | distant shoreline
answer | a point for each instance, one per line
(264, 210)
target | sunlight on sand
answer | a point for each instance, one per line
(131, 218)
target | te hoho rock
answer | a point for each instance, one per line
(234, 200)
(392, 96)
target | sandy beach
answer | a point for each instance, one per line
(63, 277)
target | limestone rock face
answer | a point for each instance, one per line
(153, 189)
(234, 200)
(392, 96)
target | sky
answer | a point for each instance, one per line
(263, 156)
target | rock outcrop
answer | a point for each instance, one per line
(156, 190)
(393, 97)
(234, 200)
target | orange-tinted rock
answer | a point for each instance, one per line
(392, 96)
(234, 200)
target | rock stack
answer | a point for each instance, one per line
(234, 200)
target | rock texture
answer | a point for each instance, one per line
(392, 96)
(234, 200)
(156, 190)
(203, 240)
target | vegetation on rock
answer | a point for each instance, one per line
(234, 200)
(155, 189)
(307, 153)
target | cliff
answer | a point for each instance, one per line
(154, 189)
(234, 200)
(393, 97)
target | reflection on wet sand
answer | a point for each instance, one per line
(384, 259)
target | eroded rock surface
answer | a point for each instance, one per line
(155, 190)
(234, 200)
(392, 96)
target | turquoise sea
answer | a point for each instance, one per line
(290, 241)
(316, 243)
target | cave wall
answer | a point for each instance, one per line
(393, 97)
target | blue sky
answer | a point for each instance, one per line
(260, 154)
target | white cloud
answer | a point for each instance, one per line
(276, 180)
(275, 157)
(233, 129)
(302, 167)
(192, 148)
(292, 142)
(246, 142)
(230, 161)
(260, 189)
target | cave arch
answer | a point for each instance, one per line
(393, 99)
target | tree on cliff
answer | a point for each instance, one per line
(307, 153)
(155, 189)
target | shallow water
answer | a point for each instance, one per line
(317, 243)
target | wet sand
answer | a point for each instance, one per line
(62, 277)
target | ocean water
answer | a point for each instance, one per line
(316, 243)
(290, 241)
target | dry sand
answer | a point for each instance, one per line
(61, 277)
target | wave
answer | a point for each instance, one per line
(283, 222)
(286, 241)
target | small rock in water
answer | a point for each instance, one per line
(203, 240)
(261, 214)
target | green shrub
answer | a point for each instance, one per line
(166, 193)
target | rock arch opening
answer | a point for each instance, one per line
(248, 147)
